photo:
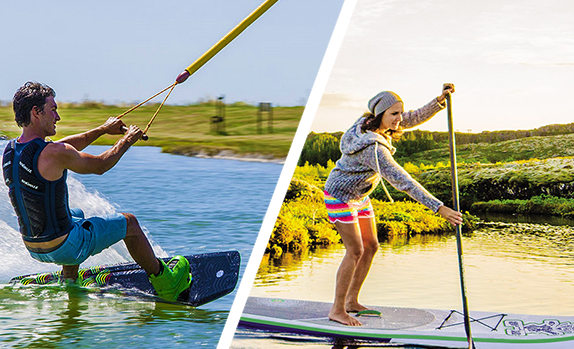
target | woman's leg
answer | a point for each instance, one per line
(370, 242)
(351, 236)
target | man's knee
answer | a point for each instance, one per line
(133, 226)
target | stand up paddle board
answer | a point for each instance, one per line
(214, 275)
(425, 327)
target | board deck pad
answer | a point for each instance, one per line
(428, 327)
(214, 275)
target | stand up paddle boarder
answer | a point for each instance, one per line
(368, 156)
(35, 171)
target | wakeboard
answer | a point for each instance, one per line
(214, 275)
(407, 326)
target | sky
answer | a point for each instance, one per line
(512, 62)
(126, 51)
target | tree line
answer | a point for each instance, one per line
(319, 148)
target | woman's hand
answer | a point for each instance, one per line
(446, 89)
(452, 216)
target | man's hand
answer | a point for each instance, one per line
(133, 134)
(113, 126)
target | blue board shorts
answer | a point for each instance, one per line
(88, 237)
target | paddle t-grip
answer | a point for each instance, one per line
(125, 129)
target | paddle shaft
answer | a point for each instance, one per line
(456, 204)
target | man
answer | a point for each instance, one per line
(35, 172)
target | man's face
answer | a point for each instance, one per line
(48, 117)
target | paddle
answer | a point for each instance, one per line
(455, 199)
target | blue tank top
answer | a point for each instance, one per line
(41, 205)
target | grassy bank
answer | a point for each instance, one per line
(543, 205)
(538, 147)
(303, 223)
(501, 181)
(182, 129)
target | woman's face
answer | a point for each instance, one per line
(392, 117)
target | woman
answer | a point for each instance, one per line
(367, 156)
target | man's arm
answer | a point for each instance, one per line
(57, 157)
(80, 141)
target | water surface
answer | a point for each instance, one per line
(186, 206)
(510, 268)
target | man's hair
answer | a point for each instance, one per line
(32, 94)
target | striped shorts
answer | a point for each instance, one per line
(348, 212)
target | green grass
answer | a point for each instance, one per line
(538, 147)
(181, 129)
(505, 180)
(544, 205)
(303, 224)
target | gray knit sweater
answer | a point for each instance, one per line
(368, 156)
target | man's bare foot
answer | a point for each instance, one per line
(355, 307)
(343, 318)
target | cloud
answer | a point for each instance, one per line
(527, 33)
(340, 100)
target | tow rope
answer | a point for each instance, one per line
(195, 66)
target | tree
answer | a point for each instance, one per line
(319, 148)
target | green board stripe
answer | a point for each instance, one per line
(392, 335)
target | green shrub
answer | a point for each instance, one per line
(541, 204)
(303, 222)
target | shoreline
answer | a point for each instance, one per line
(223, 154)
(230, 155)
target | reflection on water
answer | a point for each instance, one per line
(523, 218)
(510, 267)
(183, 203)
(53, 316)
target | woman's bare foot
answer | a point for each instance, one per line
(343, 318)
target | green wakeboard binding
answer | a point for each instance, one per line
(174, 278)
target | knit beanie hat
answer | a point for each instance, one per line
(383, 101)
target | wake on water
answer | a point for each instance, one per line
(15, 259)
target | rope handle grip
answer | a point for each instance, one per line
(125, 129)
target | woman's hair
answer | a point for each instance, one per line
(372, 123)
(32, 94)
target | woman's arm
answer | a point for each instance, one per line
(414, 118)
(382, 161)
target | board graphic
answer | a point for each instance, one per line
(214, 275)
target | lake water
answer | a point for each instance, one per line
(186, 205)
(514, 267)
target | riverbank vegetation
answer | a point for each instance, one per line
(542, 204)
(303, 223)
(183, 129)
(529, 172)
(429, 148)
